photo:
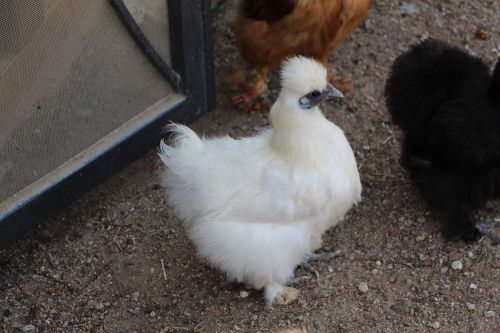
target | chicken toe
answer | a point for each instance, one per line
(484, 229)
(344, 84)
(288, 295)
(251, 86)
(306, 263)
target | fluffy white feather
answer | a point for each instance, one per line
(254, 207)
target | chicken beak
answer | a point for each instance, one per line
(332, 92)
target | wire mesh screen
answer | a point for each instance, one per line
(151, 16)
(69, 74)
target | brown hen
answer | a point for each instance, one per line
(268, 31)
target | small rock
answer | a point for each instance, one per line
(134, 311)
(152, 314)
(457, 265)
(244, 294)
(99, 306)
(420, 238)
(421, 219)
(444, 270)
(473, 286)
(92, 304)
(236, 327)
(316, 325)
(408, 8)
(424, 36)
(135, 296)
(471, 306)
(363, 287)
(330, 269)
(489, 314)
(422, 257)
(378, 263)
(435, 325)
(29, 329)
(471, 254)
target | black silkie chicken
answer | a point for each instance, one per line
(448, 105)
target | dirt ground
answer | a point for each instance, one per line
(97, 266)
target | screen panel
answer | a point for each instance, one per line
(70, 73)
(152, 18)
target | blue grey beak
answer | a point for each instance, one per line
(332, 92)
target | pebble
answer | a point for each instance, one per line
(378, 263)
(244, 294)
(457, 265)
(363, 287)
(435, 325)
(134, 311)
(444, 270)
(471, 306)
(99, 306)
(135, 296)
(473, 286)
(236, 328)
(471, 254)
(421, 219)
(29, 329)
(420, 238)
(489, 314)
(408, 8)
(330, 269)
(152, 314)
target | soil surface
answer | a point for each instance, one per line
(118, 261)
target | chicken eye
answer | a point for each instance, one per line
(315, 93)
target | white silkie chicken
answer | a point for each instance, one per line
(256, 207)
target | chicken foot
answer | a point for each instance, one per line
(483, 229)
(313, 257)
(249, 98)
(341, 83)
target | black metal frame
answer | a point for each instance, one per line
(191, 74)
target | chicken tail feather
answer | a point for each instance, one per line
(184, 140)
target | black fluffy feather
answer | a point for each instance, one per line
(448, 105)
(268, 10)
